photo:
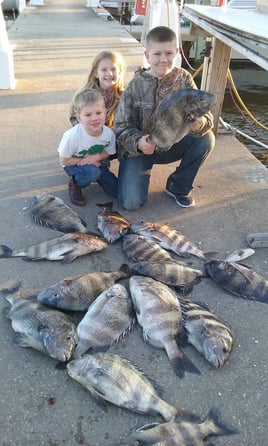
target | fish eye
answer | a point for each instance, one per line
(224, 350)
(56, 295)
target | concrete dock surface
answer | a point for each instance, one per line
(41, 405)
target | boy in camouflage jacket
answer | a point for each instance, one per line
(136, 155)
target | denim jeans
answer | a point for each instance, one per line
(85, 175)
(134, 173)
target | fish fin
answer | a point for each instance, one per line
(83, 221)
(185, 291)
(69, 257)
(221, 427)
(99, 399)
(5, 252)
(20, 340)
(181, 364)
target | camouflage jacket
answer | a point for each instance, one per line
(143, 93)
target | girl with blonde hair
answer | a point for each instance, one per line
(106, 75)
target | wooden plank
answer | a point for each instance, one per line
(215, 75)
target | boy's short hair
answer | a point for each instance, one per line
(86, 96)
(160, 34)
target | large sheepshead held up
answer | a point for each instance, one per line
(159, 314)
(44, 329)
(239, 280)
(111, 224)
(170, 121)
(76, 293)
(109, 318)
(112, 378)
(206, 332)
(171, 273)
(139, 248)
(51, 211)
(169, 238)
(181, 433)
(66, 247)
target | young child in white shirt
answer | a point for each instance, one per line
(85, 148)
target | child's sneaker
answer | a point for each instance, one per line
(185, 201)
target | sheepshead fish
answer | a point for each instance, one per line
(51, 211)
(207, 333)
(109, 318)
(181, 433)
(139, 248)
(169, 238)
(76, 293)
(239, 280)
(170, 273)
(158, 313)
(109, 377)
(111, 224)
(239, 254)
(170, 121)
(46, 330)
(66, 247)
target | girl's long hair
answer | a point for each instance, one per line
(111, 96)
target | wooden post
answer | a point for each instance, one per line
(215, 80)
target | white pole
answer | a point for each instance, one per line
(163, 13)
(7, 80)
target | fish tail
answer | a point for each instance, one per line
(6, 291)
(209, 255)
(5, 252)
(126, 270)
(181, 364)
(219, 427)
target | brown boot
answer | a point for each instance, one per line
(75, 194)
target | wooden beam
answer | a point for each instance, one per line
(215, 75)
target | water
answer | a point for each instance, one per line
(252, 85)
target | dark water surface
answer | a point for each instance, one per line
(252, 86)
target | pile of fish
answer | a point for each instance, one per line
(157, 295)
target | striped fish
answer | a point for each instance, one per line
(77, 292)
(111, 224)
(51, 211)
(239, 280)
(112, 378)
(159, 314)
(207, 333)
(171, 273)
(181, 433)
(170, 238)
(41, 328)
(139, 248)
(66, 247)
(109, 318)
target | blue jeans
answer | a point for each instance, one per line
(134, 173)
(83, 176)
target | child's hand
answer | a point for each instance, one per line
(197, 124)
(145, 147)
(90, 159)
